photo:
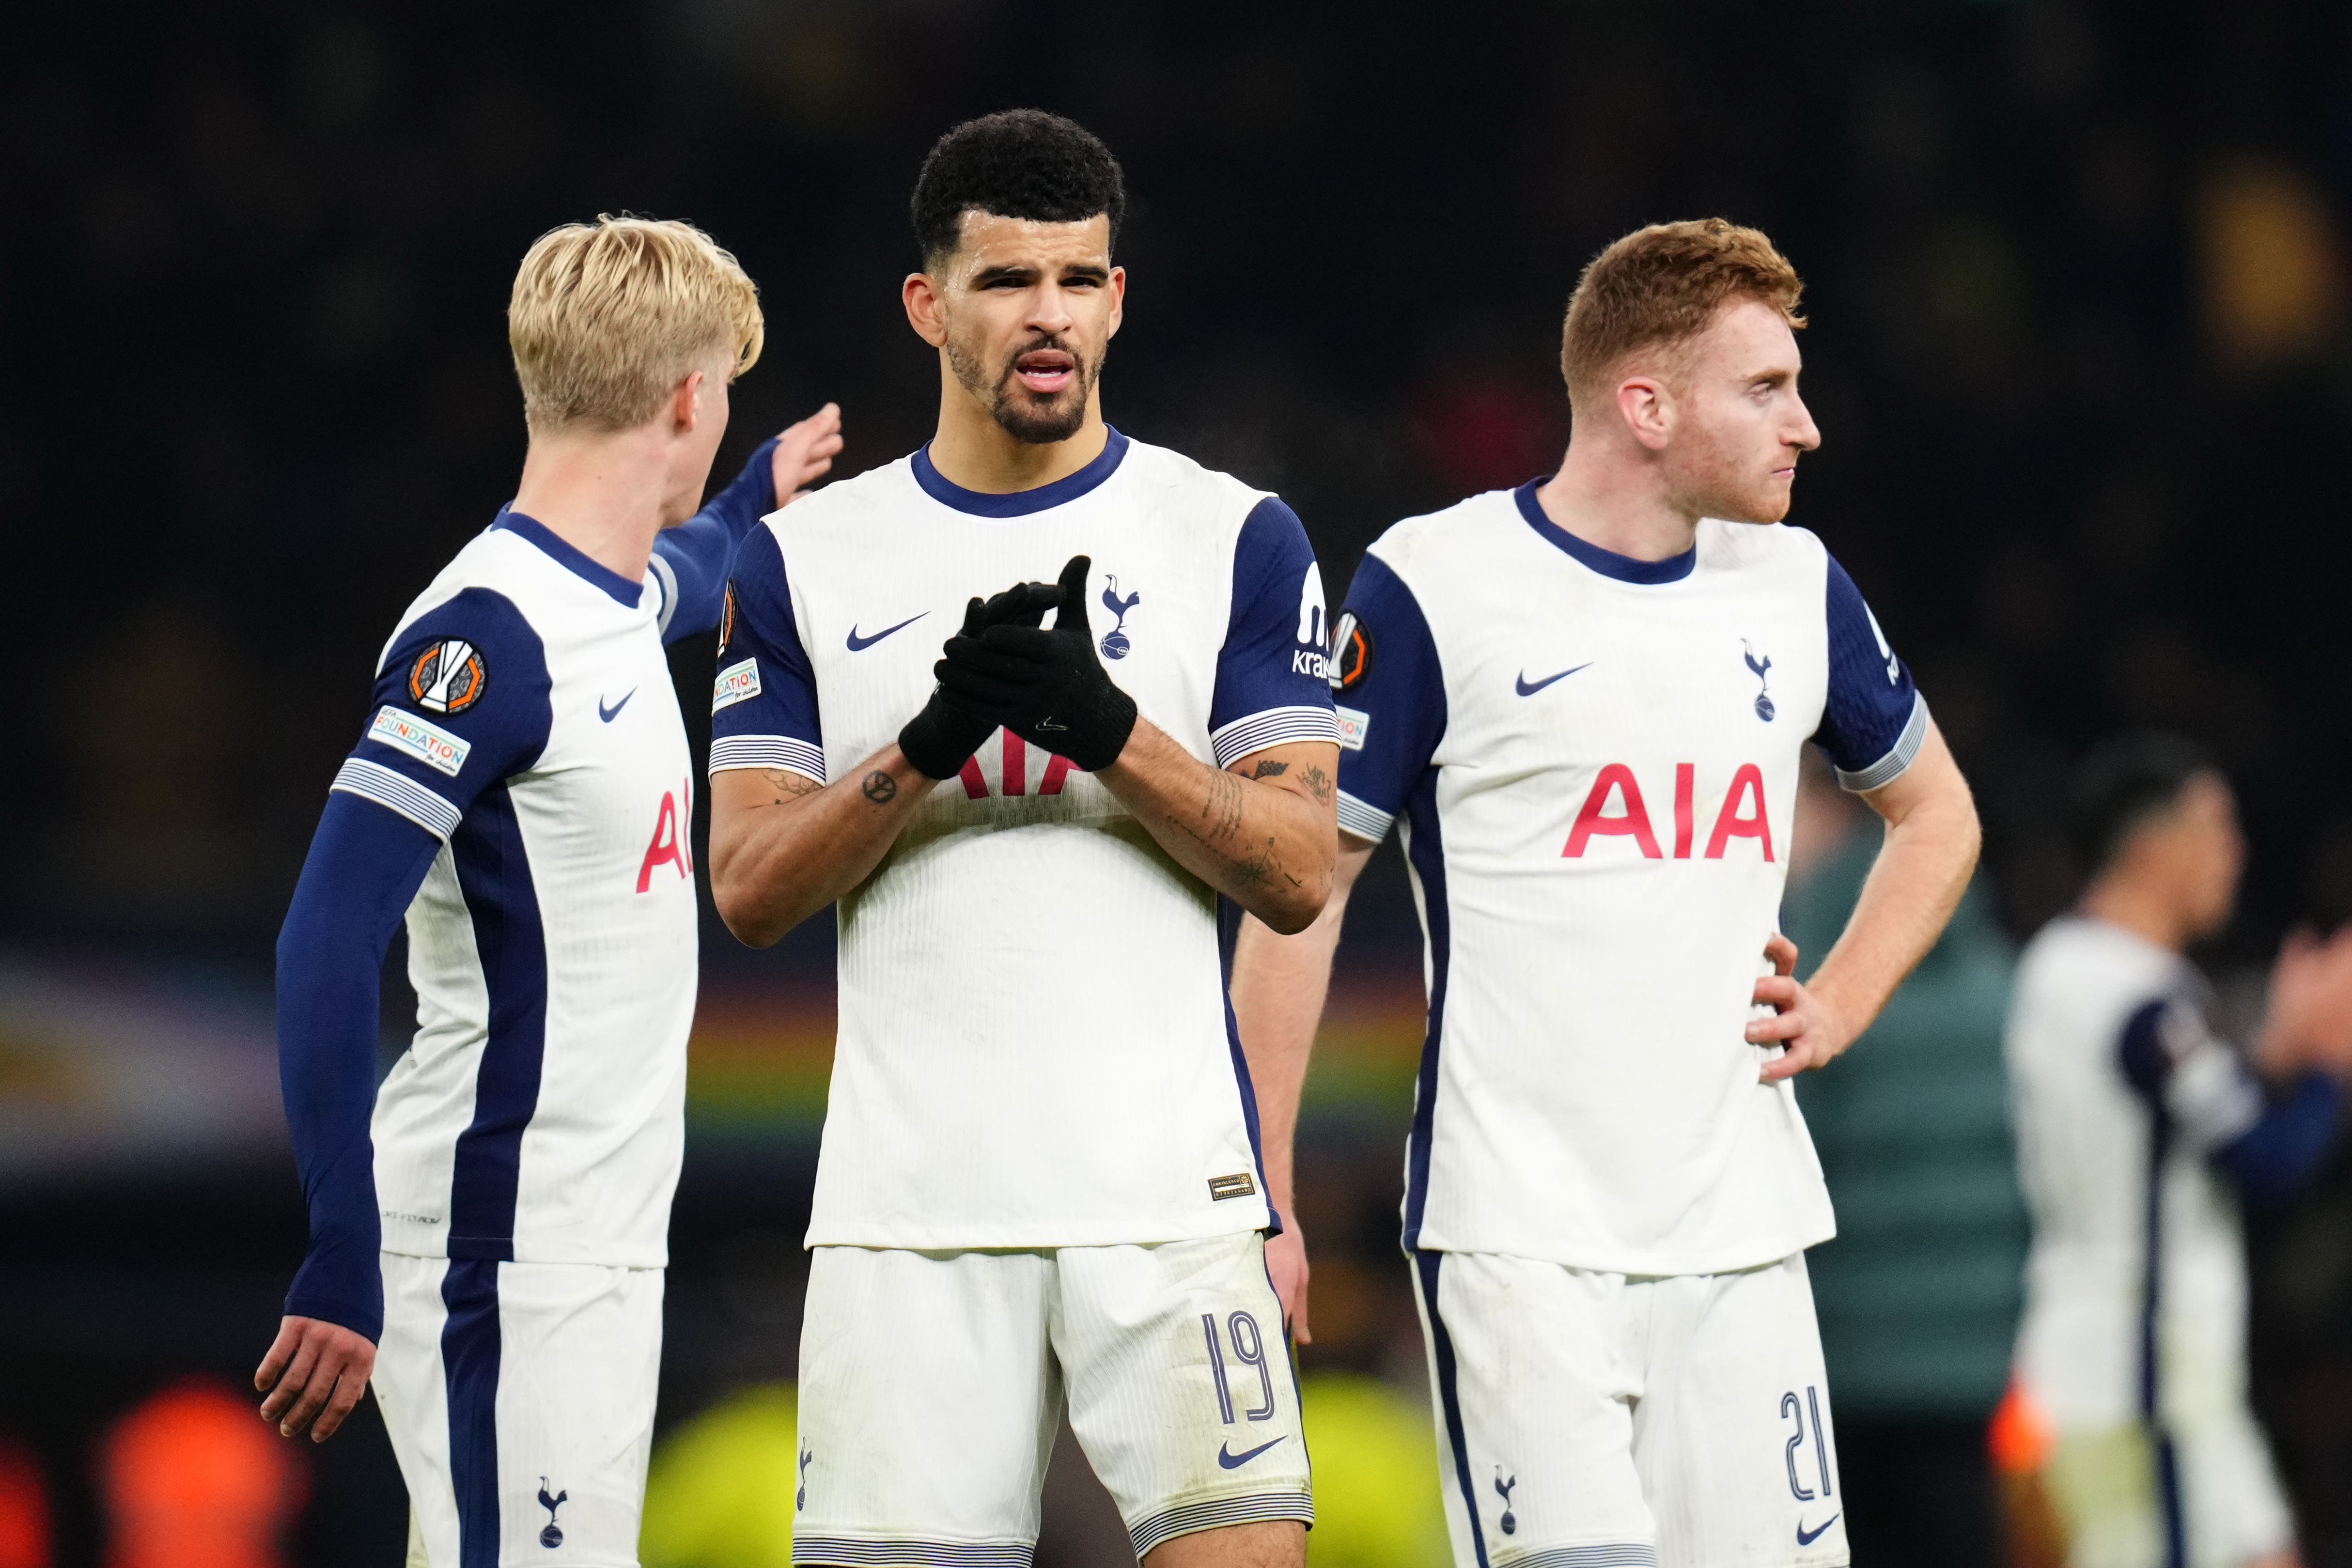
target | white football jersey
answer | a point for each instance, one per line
(525, 717)
(2089, 995)
(1036, 1048)
(1595, 760)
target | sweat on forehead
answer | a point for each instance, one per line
(1019, 163)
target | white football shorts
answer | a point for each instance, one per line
(2120, 1496)
(520, 1398)
(1589, 1420)
(932, 1385)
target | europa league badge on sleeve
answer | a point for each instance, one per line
(448, 677)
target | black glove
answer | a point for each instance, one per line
(1047, 688)
(942, 739)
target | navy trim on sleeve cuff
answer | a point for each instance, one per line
(1898, 759)
(1367, 822)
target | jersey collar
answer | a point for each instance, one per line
(1020, 503)
(1606, 562)
(631, 595)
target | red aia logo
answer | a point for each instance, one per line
(1017, 771)
(669, 846)
(1617, 781)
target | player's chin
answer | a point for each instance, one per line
(1766, 504)
(1042, 420)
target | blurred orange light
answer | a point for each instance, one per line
(192, 1478)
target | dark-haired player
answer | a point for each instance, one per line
(1586, 698)
(2141, 1132)
(1039, 1179)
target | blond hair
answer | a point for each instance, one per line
(607, 318)
(1663, 284)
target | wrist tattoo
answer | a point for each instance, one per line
(880, 788)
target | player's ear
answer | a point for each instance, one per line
(686, 403)
(1118, 300)
(1647, 407)
(925, 310)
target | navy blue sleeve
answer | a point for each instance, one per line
(1391, 698)
(2199, 1087)
(2271, 1160)
(1874, 721)
(692, 560)
(1270, 687)
(460, 704)
(364, 867)
(764, 709)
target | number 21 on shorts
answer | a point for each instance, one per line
(1795, 1410)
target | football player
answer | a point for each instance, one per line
(1584, 699)
(1039, 1180)
(488, 1228)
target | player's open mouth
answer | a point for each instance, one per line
(1045, 372)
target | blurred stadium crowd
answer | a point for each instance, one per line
(2080, 352)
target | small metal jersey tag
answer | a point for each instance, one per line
(1238, 1184)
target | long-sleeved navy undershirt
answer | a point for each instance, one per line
(363, 869)
(2268, 1154)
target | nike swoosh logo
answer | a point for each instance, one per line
(1058, 728)
(1234, 1461)
(1528, 688)
(1807, 1537)
(609, 714)
(858, 645)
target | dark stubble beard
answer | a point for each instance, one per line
(1019, 415)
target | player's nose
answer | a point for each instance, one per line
(1050, 309)
(1803, 433)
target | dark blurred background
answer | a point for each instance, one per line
(2077, 277)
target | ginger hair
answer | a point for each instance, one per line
(1663, 286)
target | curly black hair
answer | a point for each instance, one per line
(1016, 163)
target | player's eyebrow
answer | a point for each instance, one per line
(1022, 272)
(1008, 272)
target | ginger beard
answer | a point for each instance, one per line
(1739, 424)
(1041, 393)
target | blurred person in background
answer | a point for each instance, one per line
(488, 1230)
(1586, 698)
(2142, 1134)
(1918, 1294)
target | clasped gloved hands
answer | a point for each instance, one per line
(942, 739)
(1044, 686)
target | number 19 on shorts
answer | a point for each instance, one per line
(1249, 1349)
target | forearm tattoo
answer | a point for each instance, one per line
(1218, 830)
(880, 788)
(788, 784)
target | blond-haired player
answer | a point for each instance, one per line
(1585, 700)
(487, 1230)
